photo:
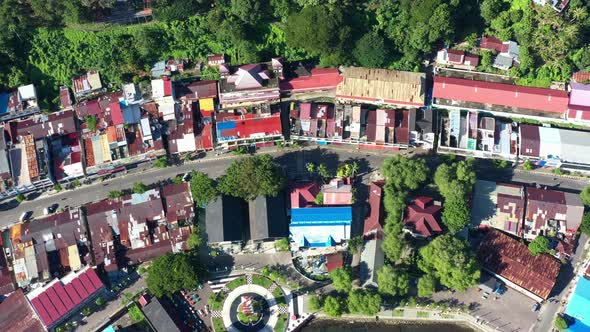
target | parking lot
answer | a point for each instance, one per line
(510, 312)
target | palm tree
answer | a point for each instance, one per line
(310, 167)
(355, 168)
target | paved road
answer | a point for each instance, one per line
(213, 166)
(564, 286)
(293, 162)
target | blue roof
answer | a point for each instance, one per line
(109, 329)
(579, 305)
(4, 102)
(321, 216)
(226, 125)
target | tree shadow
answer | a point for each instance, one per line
(9, 205)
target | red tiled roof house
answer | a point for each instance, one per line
(422, 217)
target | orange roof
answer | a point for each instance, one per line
(112, 134)
(15, 232)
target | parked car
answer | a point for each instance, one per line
(535, 306)
(25, 216)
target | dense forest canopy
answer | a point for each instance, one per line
(48, 42)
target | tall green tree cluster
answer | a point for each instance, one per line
(455, 182)
(172, 272)
(552, 44)
(401, 175)
(253, 176)
(449, 261)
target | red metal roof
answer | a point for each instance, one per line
(491, 43)
(423, 215)
(319, 80)
(116, 113)
(303, 194)
(501, 94)
(375, 218)
(334, 261)
(456, 56)
(507, 257)
(58, 299)
(167, 87)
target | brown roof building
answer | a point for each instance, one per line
(510, 261)
(17, 315)
(382, 86)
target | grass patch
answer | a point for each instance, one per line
(279, 297)
(236, 283)
(262, 281)
(281, 323)
(397, 313)
(422, 314)
(446, 316)
(216, 301)
(218, 324)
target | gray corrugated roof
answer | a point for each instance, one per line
(372, 259)
(158, 317)
(224, 220)
(258, 219)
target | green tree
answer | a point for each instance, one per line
(342, 279)
(370, 50)
(178, 10)
(86, 311)
(91, 122)
(392, 281)
(202, 188)
(99, 301)
(585, 196)
(393, 244)
(76, 183)
(139, 188)
(354, 244)
(57, 187)
(172, 272)
(426, 285)
(135, 313)
(539, 245)
(249, 11)
(210, 73)
(319, 198)
(404, 173)
(323, 171)
(456, 214)
(364, 302)
(315, 303)
(282, 244)
(490, 9)
(560, 323)
(332, 307)
(195, 240)
(21, 198)
(319, 30)
(252, 176)
(161, 162)
(115, 194)
(451, 261)
(528, 165)
(585, 226)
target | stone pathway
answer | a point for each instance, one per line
(216, 313)
(272, 287)
(249, 279)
